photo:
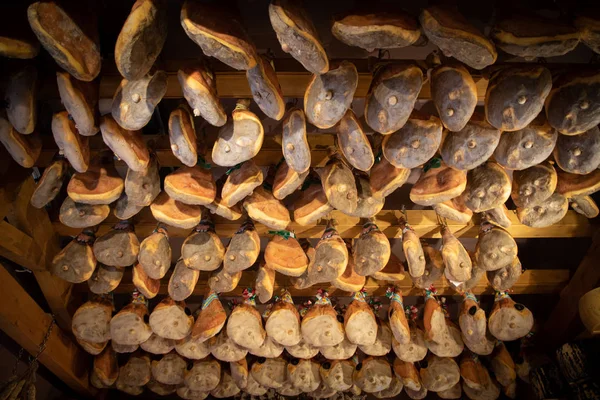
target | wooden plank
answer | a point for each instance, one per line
(36, 223)
(533, 281)
(58, 295)
(20, 248)
(424, 222)
(26, 323)
(562, 323)
(293, 84)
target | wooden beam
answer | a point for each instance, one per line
(562, 322)
(58, 295)
(533, 281)
(33, 221)
(36, 223)
(26, 323)
(293, 84)
(15, 245)
(20, 248)
(424, 222)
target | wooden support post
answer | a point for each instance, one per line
(561, 323)
(26, 323)
(19, 247)
(36, 223)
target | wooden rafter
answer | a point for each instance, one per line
(562, 321)
(26, 323)
(20, 248)
(37, 230)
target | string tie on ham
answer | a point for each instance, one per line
(499, 295)
(361, 295)
(412, 312)
(268, 310)
(394, 295)
(323, 297)
(470, 296)
(284, 234)
(206, 302)
(249, 296)
(430, 292)
(433, 163)
(138, 298)
(375, 304)
(303, 309)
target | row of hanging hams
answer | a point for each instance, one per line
(473, 177)
(220, 34)
(514, 101)
(413, 145)
(514, 98)
(344, 264)
(541, 192)
(317, 351)
(477, 150)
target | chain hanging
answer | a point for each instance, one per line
(16, 366)
(23, 386)
(42, 346)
